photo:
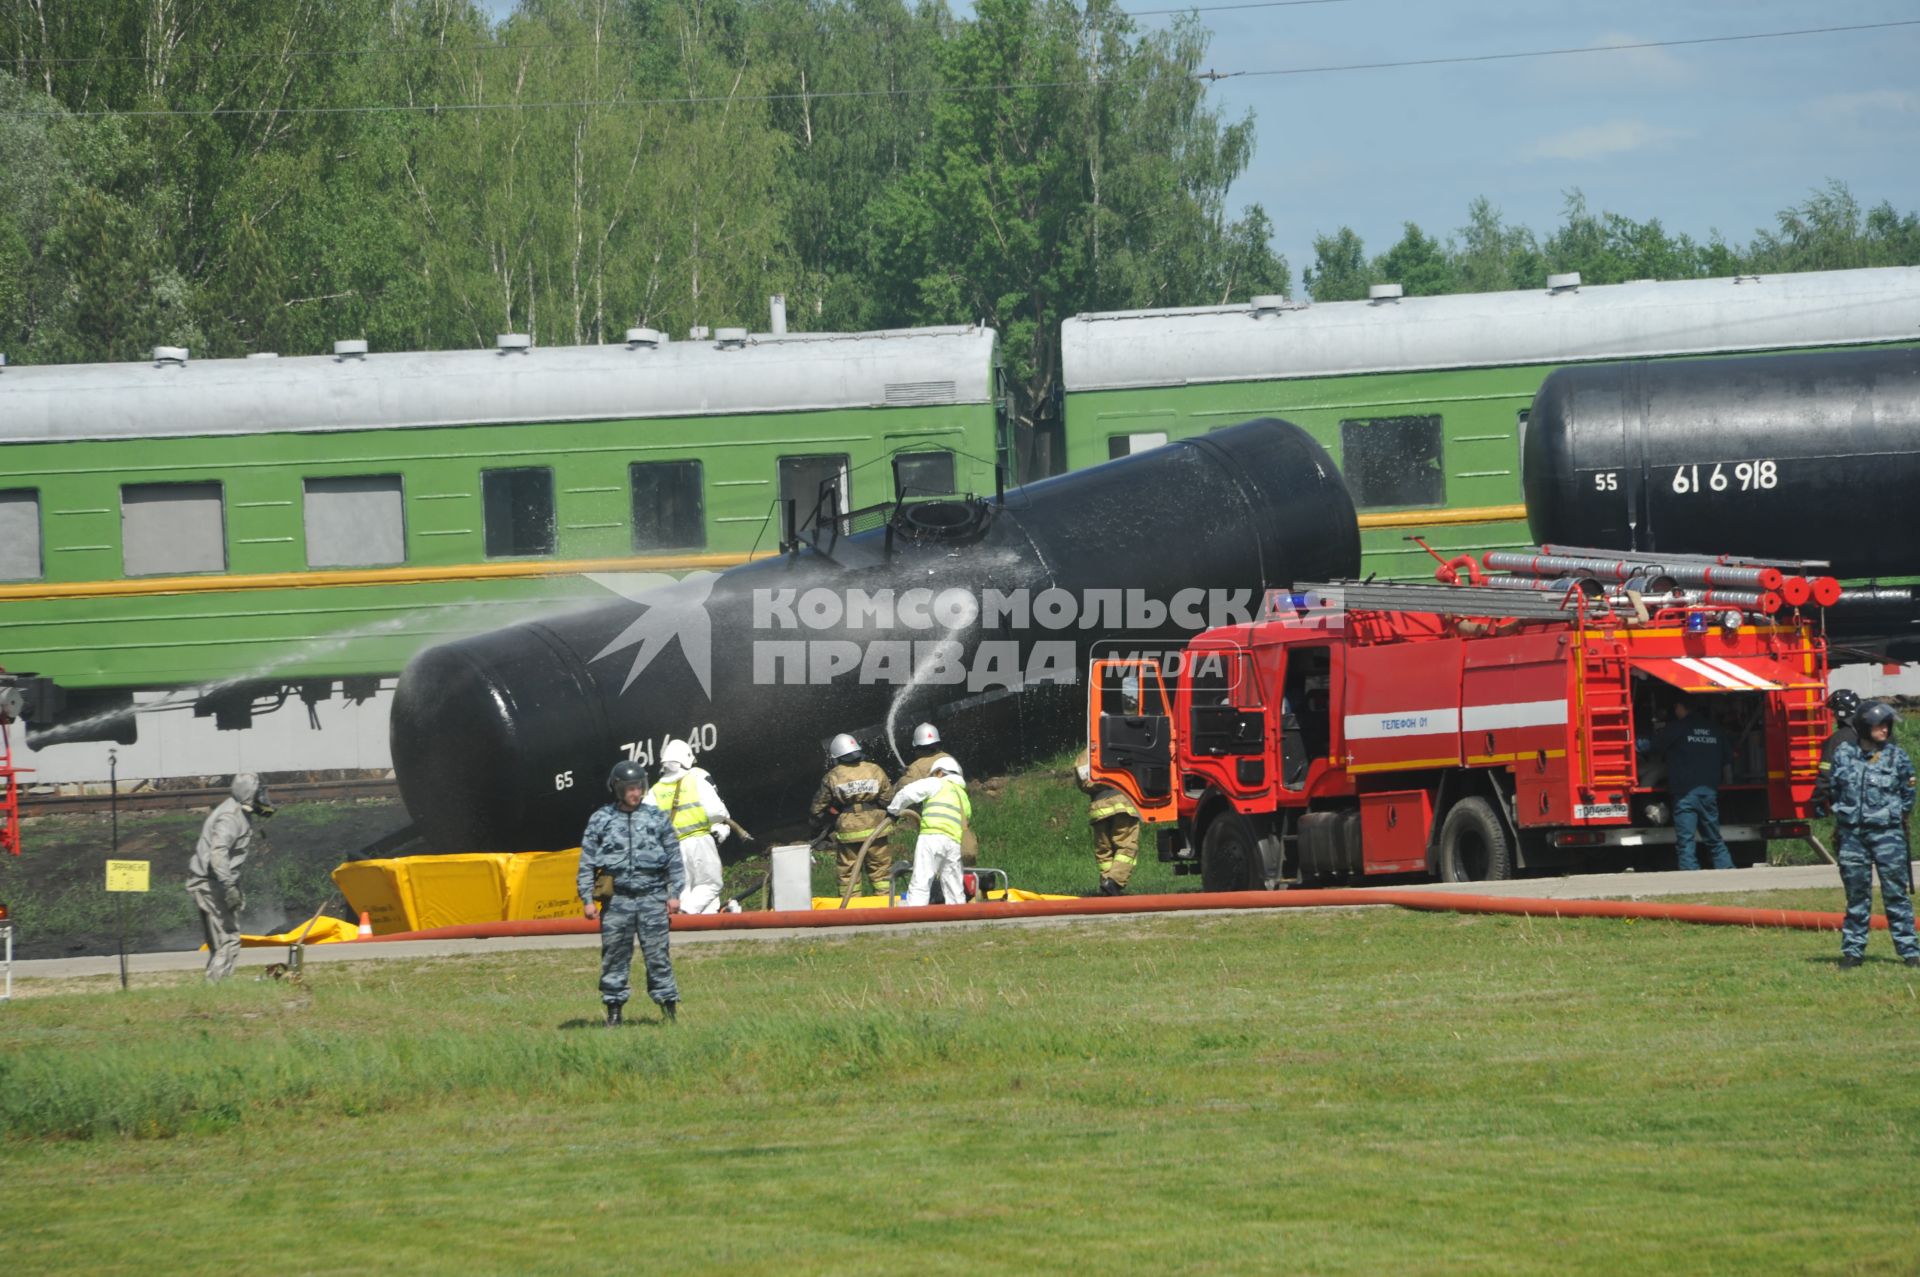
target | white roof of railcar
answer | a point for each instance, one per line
(1170, 347)
(792, 372)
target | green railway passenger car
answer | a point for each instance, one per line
(1422, 400)
(257, 529)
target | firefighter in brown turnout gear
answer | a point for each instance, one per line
(927, 750)
(851, 793)
(1116, 829)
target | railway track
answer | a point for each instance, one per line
(176, 799)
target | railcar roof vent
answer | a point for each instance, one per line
(1266, 304)
(903, 393)
(699, 332)
(164, 355)
(511, 342)
(350, 348)
(1377, 293)
(263, 354)
(644, 338)
(730, 338)
(1567, 283)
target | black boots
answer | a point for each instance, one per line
(613, 1015)
(1108, 887)
(667, 1010)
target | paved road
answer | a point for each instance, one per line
(1575, 887)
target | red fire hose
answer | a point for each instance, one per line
(1429, 901)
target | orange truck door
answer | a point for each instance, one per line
(1130, 734)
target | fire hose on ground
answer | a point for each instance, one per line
(1343, 897)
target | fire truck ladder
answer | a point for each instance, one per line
(1807, 727)
(1606, 718)
(1807, 720)
(1442, 600)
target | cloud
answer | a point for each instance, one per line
(1613, 138)
(1873, 102)
(1639, 70)
(1647, 66)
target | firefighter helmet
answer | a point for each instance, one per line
(676, 755)
(945, 766)
(844, 749)
(926, 736)
(1875, 714)
(625, 772)
(1844, 702)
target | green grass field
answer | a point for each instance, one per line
(1352, 1092)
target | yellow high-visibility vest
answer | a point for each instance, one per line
(689, 816)
(947, 811)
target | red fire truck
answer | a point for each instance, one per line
(1460, 731)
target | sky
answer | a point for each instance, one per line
(1705, 137)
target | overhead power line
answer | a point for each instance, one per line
(1589, 48)
(535, 46)
(943, 90)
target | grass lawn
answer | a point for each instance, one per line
(1351, 1092)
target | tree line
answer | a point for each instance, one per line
(276, 174)
(1827, 231)
(591, 165)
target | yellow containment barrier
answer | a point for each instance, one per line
(446, 891)
(324, 930)
(882, 902)
(542, 884)
(414, 893)
(373, 888)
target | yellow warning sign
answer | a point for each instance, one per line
(127, 875)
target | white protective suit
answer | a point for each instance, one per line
(934, 855)
(213, 875)
(700, 853)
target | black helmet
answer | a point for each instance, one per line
(1872, 715)
(1845, 702)
(625, 772)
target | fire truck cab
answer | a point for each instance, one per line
(1349, 733)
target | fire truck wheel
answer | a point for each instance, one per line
(1473, 844)
(1228, 854)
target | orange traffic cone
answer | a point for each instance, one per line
(366, 925)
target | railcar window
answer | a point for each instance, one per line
(168, 528)
(20, 536)
(1127, 445)
(519, 511)
(669, 507)
(1393, 461)
(923, 474)
(801, 479)
(355, 521)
